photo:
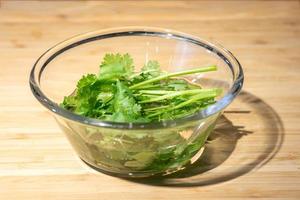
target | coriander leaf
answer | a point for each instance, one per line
(151, 69)
(116, 66)
(84, 85)
(85, 95)
(86, 100)
(105, 96)
(125, 107)
(86, 80)
(141, 160)
(69, 103)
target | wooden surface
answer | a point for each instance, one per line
(255, 150)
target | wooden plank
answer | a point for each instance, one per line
(257, 157)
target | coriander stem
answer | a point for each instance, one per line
(155, 91)
(198, 97)
(155, 108)
(181, 73)
(179, 93)
(195, 98)
(149, 87)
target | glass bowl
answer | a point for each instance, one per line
(135, 149)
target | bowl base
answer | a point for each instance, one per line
(122, 175)
(142, 174)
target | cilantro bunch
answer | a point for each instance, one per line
(120, 94)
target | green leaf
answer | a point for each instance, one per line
(69, 103)
(85, 95)
(116, 66)
(141, 160)
(125, 107)
(120, 95)
(151, 69)
(105, 96)
(86, 80)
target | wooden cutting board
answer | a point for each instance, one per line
(254, 151)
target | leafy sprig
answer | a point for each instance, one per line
(119, 94)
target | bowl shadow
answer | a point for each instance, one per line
(222, 143)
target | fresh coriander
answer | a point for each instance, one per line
(119, 94)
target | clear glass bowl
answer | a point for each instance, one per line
(135, 149)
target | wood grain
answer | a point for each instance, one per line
(255, 153)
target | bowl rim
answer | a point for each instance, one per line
(77, 40)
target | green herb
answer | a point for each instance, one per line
(116, 66)
(121, 95)
(166, 76)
